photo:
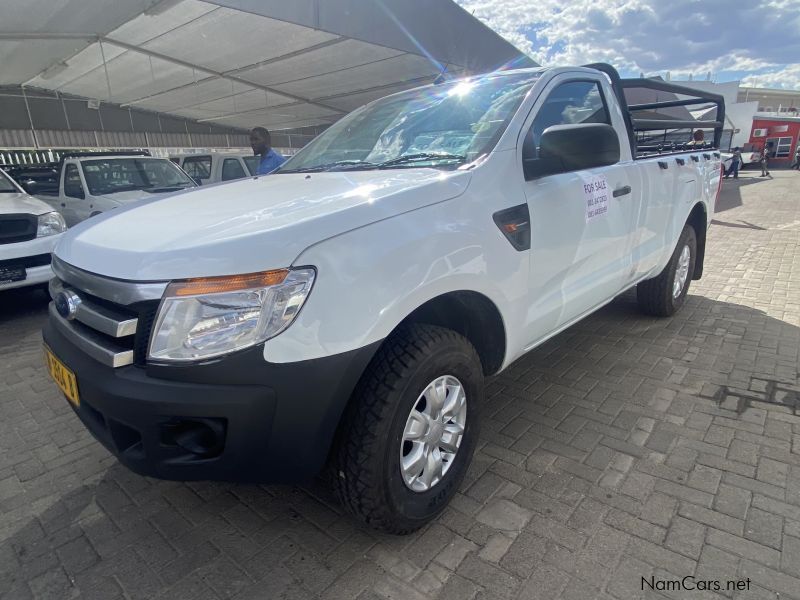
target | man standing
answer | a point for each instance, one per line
(764, 160)
(261, 143)
(736, 163)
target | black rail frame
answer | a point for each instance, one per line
(634, 125)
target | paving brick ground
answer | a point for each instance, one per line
(626, 447)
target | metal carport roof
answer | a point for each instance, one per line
(240, 63)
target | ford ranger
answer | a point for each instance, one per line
(341, 314)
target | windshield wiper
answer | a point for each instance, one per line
(161, 190)
(422, 157)
(332, 166)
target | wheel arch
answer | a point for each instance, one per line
(698, 219)
(472, 315)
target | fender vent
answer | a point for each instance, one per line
(515, 223)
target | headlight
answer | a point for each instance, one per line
(50, 224)
(203, 318)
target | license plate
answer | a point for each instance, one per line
(12, 274)
(65, 378)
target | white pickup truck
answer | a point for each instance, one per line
(91, 183)
(29, 229)
(217, 166)
(345, 310)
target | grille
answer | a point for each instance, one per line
(17, 228)
(112, 332)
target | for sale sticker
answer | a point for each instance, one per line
(595, 192)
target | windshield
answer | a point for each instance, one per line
(6, 186)
(435, 126)
(110, 175)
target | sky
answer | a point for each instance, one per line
(753, 41)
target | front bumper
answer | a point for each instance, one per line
(35, 276)
(271, 423)
(25, 254)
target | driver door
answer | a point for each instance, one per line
(581, 221)
(73, 202)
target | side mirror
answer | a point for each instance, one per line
(32, 187)
(565, 148)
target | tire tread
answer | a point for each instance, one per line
(654, 296)
(354, 476)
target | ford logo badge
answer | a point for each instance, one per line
(67, 304)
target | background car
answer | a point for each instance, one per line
(29, 229)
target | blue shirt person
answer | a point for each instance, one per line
(261, 143)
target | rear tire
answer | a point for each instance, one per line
(373, 464)
(663, 295)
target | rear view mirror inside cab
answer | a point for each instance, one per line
(574, 147)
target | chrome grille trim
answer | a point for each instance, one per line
(98, 317)
(104, 324)
(91, 343)
(114, 290)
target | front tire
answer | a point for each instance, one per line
(663, 295)
(409, 432)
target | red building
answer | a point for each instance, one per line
(780, 136)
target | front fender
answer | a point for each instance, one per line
(371, 278)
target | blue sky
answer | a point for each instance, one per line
(757, 42)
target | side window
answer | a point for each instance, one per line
(570, 103)
(252, 164)
(72, 182)
(198, 167)
(232, 169)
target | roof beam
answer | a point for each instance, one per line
(18, 36)
(239, 70)
(411, 26)
(207, 71)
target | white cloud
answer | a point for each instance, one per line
(655, 36)
(788, 77)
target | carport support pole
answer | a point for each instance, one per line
(30, 118)
(105, 68)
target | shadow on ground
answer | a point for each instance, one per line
(22, 302)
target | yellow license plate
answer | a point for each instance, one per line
(65, 378)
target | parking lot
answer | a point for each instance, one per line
(625, 448)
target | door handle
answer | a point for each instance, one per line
(64, 204)
(623, 191)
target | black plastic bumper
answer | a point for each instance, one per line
(263, 422)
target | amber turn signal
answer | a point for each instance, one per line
(232, 283)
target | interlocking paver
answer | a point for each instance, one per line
(623, 448)
(743, 548)
(685, 537)
(733, 501)
(764, 527)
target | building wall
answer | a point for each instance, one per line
(739, 117)
(772, 100)
(778, 132)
